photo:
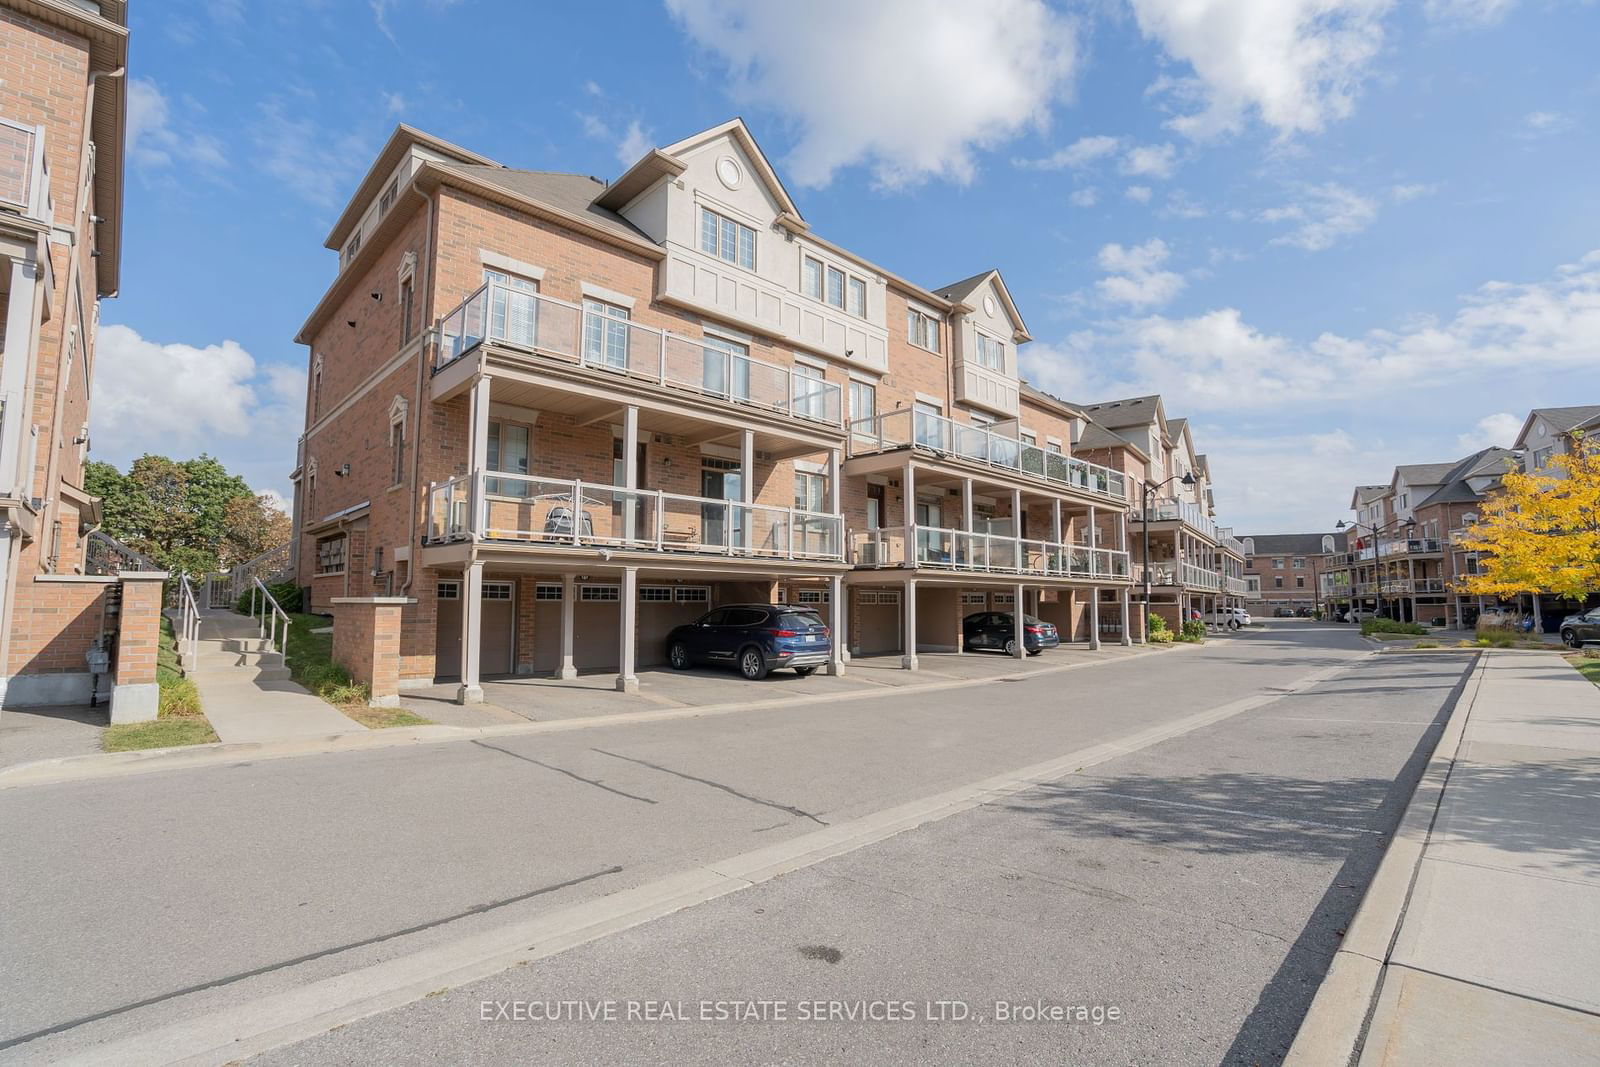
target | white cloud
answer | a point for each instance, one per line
(394, 103)
(179, 399)
(1545, 124)
(1080, 153)
(1138, 193)
(1500, 429)
(636, 141)
(1218, 362)
(913, 89)
(1087, 197)
(1180, 205)
(277, 501)
(1325, 215)
(1150, 160)
(1294, 64)
(316, 164)
(1403, 193)
(156, 136)
(1472, 12)
(1135, 276)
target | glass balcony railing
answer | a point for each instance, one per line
(935, 433)
(1415, 546)
(1190, 515)
(1190, 575)
(963, 550)
(501, 508)
(557, 330)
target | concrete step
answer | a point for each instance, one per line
(241, 675)
(227, 660)
(236, 644)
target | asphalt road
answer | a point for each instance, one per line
(1196, 884)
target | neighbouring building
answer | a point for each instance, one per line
(1191, 563)
(552, 417)
(62, 122)
(1288, 574)
(1549, 432)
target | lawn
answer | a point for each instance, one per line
(1587, 663)
(309, 657)
(179, 720)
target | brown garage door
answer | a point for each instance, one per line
(498, 634)
(877, 621)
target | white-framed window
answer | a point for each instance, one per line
(1030, 438)
(878, 596)
(513, 308)
(497, 590)
(449, 589)
(1277, 563)
(397, 450)
(692, 594)
(408, 300)
(863, 400)
(811, 277)
(989, 352)
(726, 368)
(726, 239)
(810, 491)
(386, 201)
(508, 453)
(922, 330)
(547, 591)
(974, 600)
(605, 334)
(352, 248)
(855, 297)
(827, 283)
(656, 594)
(1003, 599)
(809, 399)
(610, 593)
(331, 554)
(811, 596)
(1299, 562)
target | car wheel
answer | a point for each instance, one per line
(1570, 638)
(805, 672)
(1233, 624)
(752, 664)
(678, 656)
(1035, 651)
(1011, 646)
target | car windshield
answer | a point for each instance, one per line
(799, 620)
(1029, 620)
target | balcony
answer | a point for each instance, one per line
(1416, 546)
(1189, 514)
(565, 333)
(515, 509)
(1190, 575)
(1232, 545)
(1400, 586)
(925, 431)
(1235, 586)
(981, 553)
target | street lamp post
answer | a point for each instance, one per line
(1144, 521)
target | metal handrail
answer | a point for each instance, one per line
(977, 552)
(188, 622)
(265, 605)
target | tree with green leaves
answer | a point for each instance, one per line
(189, 515)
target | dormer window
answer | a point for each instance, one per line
(386, 201)
(352, 248)
(727, 240)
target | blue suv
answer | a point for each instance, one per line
(755, 638)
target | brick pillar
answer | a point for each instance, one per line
(366, 643)
(135, 694)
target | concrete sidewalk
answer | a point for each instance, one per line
(1479, 941)
(246, 692)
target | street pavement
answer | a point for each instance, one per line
(1197, 884)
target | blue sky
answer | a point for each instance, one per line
(1336, 234)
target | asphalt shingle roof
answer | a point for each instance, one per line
(572, 193)
(1308, 544)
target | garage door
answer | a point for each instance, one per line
(662, 607)
(877, 621)
(498, 629)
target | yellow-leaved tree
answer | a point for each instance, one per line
(1541, 532)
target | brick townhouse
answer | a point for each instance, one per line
(555, 417)
(1288, 573)
(62, 121)
(1193, 564)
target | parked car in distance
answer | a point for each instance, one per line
(997, 630)
(1576, 629)
(754, 638)
(1283, 613)
(1360, 615)
(1233, 618)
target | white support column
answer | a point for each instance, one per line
(1094, 619)
(1055, 520)
(568, 669)
(1016, 536)
(908, 490)
(966, 504)
(908, 604)
(1127, 618)
(469, 691)
(835, 476)
(1018, 612)
(478, 456)
(627, 623)
(21, 328)
(747, 485)
(836, 617)
(630, 473)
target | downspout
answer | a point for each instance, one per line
(416, 437)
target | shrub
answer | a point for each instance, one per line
(1161, 637)
(1194, 632)
(1497, 639)
(179, 699)
(287, 594)
(1390, 626)
(1426, 644)
(1156, 624)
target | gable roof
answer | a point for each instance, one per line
(1134, 411)
(958, 292)
(1457, 486)
(1560, 420)
(1366, 494)
(573, 194)
(668, 161)
(399, 143)
(1422, 475)
(1302, 544)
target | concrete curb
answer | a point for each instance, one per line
(1334, 1027)
(149, 761)
(278, 1019)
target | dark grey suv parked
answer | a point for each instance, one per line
(1576, 629)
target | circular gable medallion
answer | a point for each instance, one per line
(988, 306)
(729, 172)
